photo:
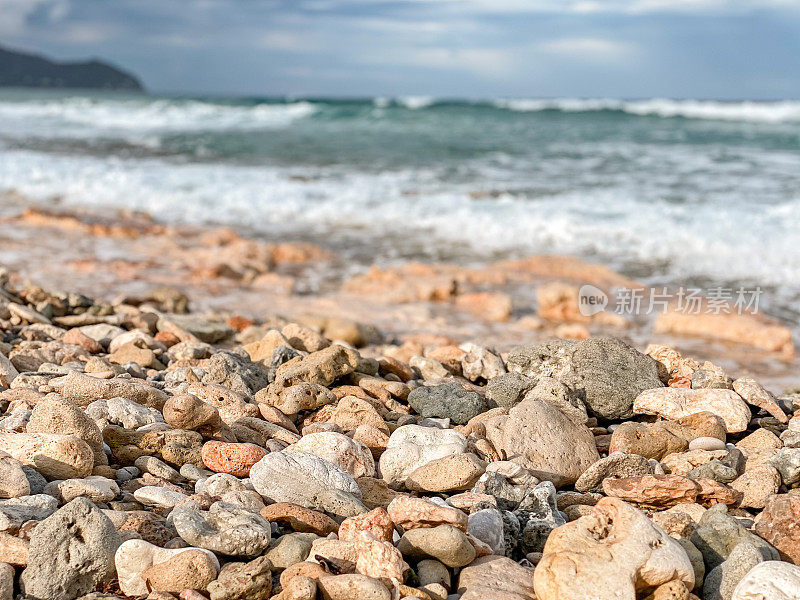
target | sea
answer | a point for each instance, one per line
(693, 193)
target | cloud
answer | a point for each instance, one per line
(567, 6)
(588, 49)
(488, 63)
(288, 41)
(15, 14)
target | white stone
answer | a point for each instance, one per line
(94, 487)
(349, 454)
(675, 403)
(154, 495)
(770, 580)
(412, 446)
(706, 443)
(135, 556)
(298, 476)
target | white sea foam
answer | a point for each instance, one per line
(762, 112)
(724, 239)
(416, 102)
(87, 117)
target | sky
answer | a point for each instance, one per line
(720, 49)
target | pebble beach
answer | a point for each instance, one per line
(197, 413)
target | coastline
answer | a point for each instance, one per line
(111, 254)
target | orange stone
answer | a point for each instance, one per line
(232, 458)
(376, 521)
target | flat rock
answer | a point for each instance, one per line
(447, 401)
(445, 543)
(616, 465)
(454, 473)
(299, 518)
(674, 403)
(95, 488)
(413, 513)
(298, 476)
(755, 394)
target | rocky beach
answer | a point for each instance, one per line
(206, 413)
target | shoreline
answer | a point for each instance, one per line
(500, 304)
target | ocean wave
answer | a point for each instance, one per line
(787, 111)
(416, 102)
(147, 115)
(723, 237)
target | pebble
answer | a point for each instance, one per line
(223, 529)
(232, 458)
(95, 488)
(544, 440)
(153, 495)
(337, 471)
(769, 580)
(71, 553)
(706, 443)
(674, 403)
(298, 477)
(445, 543)
(134, 557)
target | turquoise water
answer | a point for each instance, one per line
(672, 192)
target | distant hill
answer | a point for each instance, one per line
(19, 69)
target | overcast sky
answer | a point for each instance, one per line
(734, 49)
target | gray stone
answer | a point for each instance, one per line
(447, 401)
(711, 379)
(617, 464)
(225, 528)
(714, 469)
(718, 533)
(538, 515)
(508, 389)
(235, 372)
(723, 579)
(487, 526)
(14, 512)
(71, 553)
(562, 397)
(606, 371)
(787, 461)
(36, 480)
(210, 332)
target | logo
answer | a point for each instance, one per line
(591, 300)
